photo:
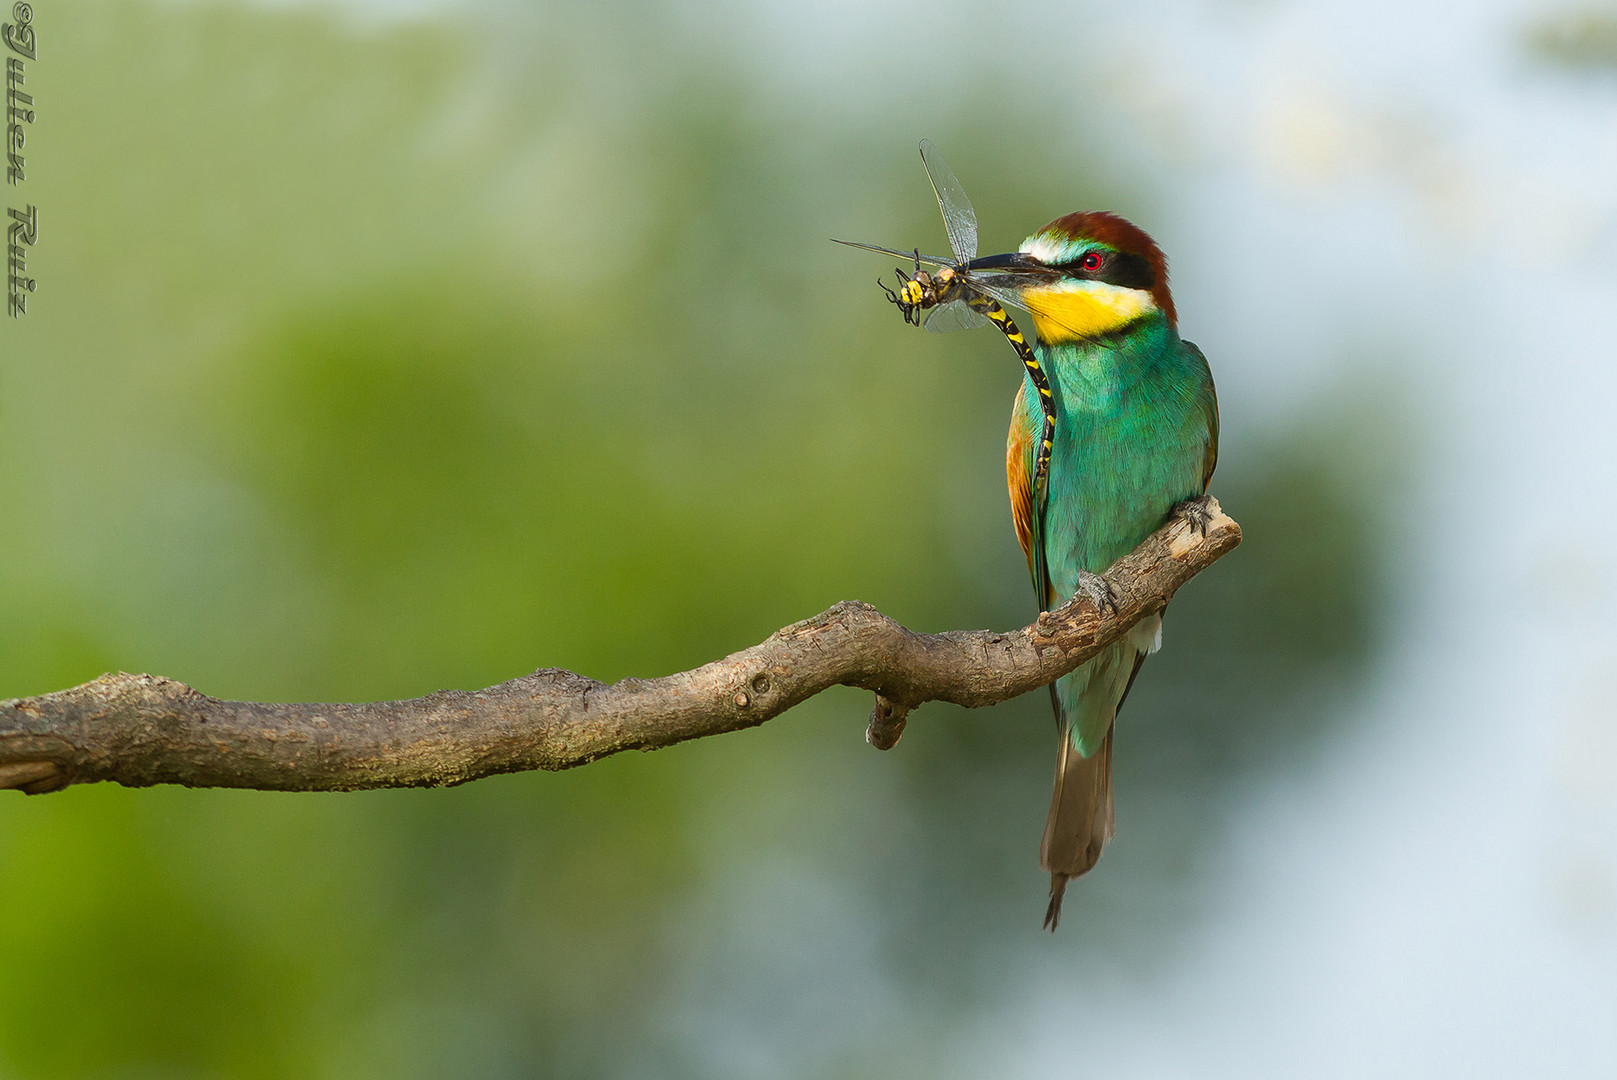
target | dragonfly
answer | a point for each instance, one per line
(964, 292)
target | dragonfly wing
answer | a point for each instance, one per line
(1006, 288)
(959, 219)
(1001, 287)
(907, 256)
(954, 315)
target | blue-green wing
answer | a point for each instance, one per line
(1210, 408)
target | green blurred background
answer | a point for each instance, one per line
(377, 352)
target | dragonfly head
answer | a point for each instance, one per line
(1086, 275)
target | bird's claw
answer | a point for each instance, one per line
(1196, 512)
(1099, 591)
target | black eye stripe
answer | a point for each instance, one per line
(1121, 268)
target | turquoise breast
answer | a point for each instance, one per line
(1132, 431)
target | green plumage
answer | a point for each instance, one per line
(1133, 424)
(1135, 419)
(1136, 435)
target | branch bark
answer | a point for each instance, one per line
(138, 730)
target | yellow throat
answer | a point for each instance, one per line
(1073, 310)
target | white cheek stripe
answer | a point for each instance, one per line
(1116, 295)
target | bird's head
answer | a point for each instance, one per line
(1086, 275)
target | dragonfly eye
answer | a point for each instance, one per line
(1091, 261)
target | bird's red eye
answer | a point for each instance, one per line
(1091, 261)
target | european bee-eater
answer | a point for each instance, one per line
(1136, 438)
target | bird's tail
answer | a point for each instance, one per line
(1080, 820)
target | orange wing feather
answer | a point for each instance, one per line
(1018, 475)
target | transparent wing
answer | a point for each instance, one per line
(1001, 287)
(959, 219)
(907, 256)
(955, 315)
(1006, 288)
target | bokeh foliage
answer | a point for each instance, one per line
(362, 367)
(1582, 38)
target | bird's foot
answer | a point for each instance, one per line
(1099, 591)
(1196, 512)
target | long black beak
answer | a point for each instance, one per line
(1013, 262)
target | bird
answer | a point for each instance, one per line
(1136, 442)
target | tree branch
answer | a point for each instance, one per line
(144, 729)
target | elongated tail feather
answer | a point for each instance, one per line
(1080, 820)
(1087, 702)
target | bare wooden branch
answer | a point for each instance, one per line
(144, 729)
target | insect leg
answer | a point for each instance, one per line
(906, 298)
